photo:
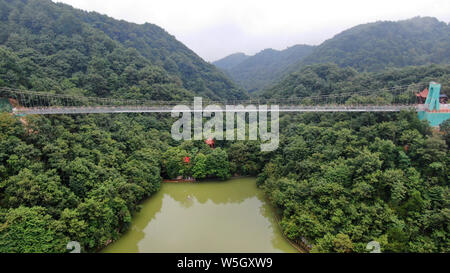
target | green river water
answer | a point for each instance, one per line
(230, 216)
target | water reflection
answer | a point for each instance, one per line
(227, 216)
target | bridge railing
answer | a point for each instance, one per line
(25, 99)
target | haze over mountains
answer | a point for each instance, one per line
(367, 47)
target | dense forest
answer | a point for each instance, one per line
(338, 181)
(76, 178)
(342, 180)
(325, 79)
(66, 178)
(259, 71)
(53, 47)
(371, 47)
(384, 44)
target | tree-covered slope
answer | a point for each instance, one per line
(50, 46)
(339, 180)
(80, 177)
(366, 47)
(342, 180)
(259, 71)
(375, 46)
(324, 79)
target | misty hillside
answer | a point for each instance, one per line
(47, 46)
(375, 46)
(259, 71)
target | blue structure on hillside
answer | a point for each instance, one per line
(433, 111)
(434, 92)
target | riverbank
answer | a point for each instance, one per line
(193, 180)
(299, 247)
(179, 181)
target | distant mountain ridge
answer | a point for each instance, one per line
(368, 47)
(256, 72)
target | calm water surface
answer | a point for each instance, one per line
(230, 216)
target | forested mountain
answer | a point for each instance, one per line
(342, 180)
(48, 46)
(367, 47)
(80, 177)
(339, 180)
(230, 61)
(375, 46)
(324, 79)
(258, 71)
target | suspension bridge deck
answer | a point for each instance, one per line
(383, 100)
(168, 109)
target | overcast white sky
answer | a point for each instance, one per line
(214, 29)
